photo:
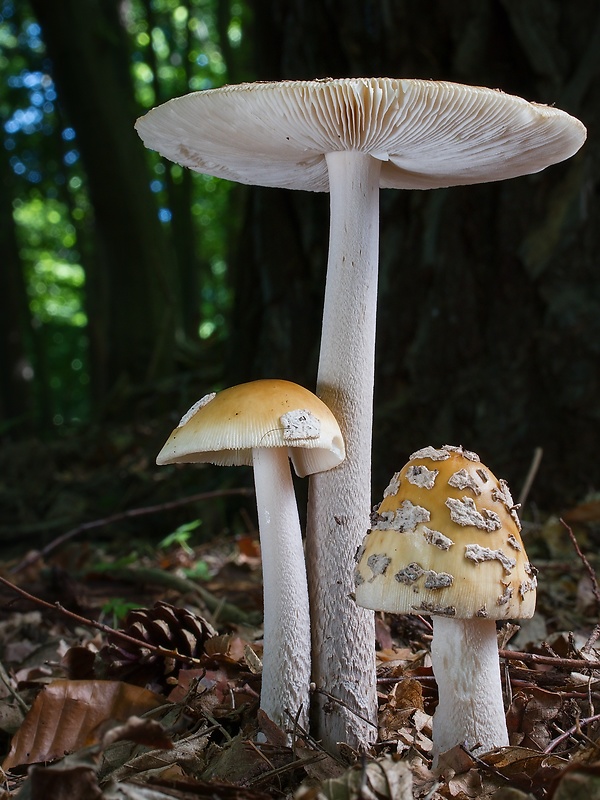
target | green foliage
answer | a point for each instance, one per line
(174, 48)
(180, 537)
(116, 609)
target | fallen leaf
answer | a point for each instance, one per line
(65, 715)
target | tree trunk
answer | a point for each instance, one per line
(130, 301)
(16, 369)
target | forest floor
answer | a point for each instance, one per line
(130, 648)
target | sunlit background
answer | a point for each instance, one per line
(174, 49)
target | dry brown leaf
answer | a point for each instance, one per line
(65, 715)
(525, 768)
(383, 779)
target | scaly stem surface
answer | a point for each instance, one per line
(340, 499)
(286, 656)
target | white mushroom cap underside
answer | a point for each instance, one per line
(429, 134)
(449, 546)
(266, 413)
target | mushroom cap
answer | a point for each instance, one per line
(446, 541)
(223, 428)
(428, 134)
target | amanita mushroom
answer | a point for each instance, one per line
(265, 423)
(351, 137)
(446, 541)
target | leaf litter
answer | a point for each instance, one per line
(163, 702)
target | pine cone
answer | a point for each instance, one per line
(164, 626)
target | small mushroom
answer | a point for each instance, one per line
(467, 569)
(264, 424)
(351, 137)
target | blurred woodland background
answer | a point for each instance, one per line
(131, 287)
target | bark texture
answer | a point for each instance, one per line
(129, 293)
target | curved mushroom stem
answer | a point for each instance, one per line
(286, 656)
(340, 499)
(464, 654)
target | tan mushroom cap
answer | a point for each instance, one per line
(223, 428)
(446, 540)
(428, 134)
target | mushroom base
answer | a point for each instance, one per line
(464, 654)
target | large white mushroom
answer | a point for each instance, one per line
(264, 424)
(446, 541)
(352, 137)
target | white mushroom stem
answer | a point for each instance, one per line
(340, 499)
(286, 656)
(464, 654)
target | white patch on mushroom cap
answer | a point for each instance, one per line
(462, 480)
(468, 454)
(360, 551)
(527, 586)
(530, 569)
(432, 608)
(505, 596)
(430, 452)
(197, 405)
(300, 424)
(463, 512)
(513, 542)
(421, 476)
(501, 494)
(478, 554)
(393, 485)
(438, 580)
(409, 574)
(378, 563)
(404, 519)
(482, 474)
(437, 538)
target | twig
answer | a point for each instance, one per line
(530, 477)
(100, 626)
(575, 729)
(586, 563)
(481, 763)
(564, 663)
(117, 517)
(592, 639)
(333, 698)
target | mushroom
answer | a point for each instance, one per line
(264, 423)
(446, 541)
(351, 137)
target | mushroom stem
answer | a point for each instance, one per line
(286, 656)
(340, 499)
(464, 655)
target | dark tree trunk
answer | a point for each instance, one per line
(489, 309)
(16, 370)
(130, 302)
